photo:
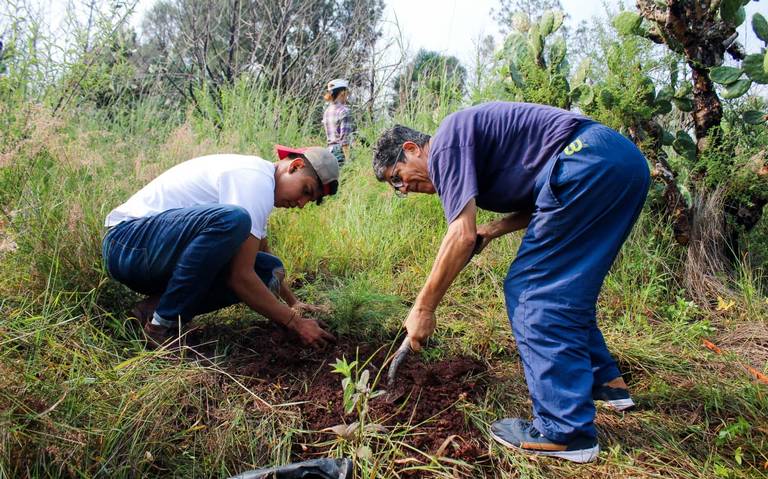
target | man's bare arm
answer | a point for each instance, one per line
(512, 222)
(454, 252)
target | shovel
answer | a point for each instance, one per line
(397, 359)
(405, 347)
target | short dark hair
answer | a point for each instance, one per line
(389, 144)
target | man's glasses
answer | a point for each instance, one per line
(395, 180)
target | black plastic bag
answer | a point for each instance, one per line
(314, 469)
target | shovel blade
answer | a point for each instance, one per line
(397, 359)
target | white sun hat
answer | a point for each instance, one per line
(337, 83)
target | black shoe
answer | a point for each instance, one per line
(520, 434)
(617, 399)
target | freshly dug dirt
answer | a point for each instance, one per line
(426, 396)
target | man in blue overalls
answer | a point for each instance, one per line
(578, 186)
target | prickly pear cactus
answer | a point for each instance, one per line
(533, 63)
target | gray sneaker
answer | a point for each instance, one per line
(517, 433)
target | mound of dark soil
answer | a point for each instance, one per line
(426, 396)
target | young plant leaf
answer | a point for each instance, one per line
(729, 12)
(514, 74)
(547, 23)
(557, 52)
(684, 145)
(607, 99)
(683, 104)
(559, 17)
(662, 107)
(362, 383)
(664, 94)
(724, 304)
(765, 63)
(536, 42)
(667, 138)
(684, 90)
(581, 72)
(521, 21)
(583, 94)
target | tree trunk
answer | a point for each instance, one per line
(707, 111)
(675, 206)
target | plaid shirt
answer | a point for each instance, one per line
(338, 124)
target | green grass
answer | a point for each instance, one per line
(80, 397)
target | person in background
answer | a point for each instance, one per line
(337, 119)
(194, 240)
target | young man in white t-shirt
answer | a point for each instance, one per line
(194, 239)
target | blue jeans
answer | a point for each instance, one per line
(587, 200)
(183, 255)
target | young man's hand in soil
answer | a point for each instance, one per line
(254, 293)
(310, 332)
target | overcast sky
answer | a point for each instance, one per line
(450, 26)
(453, 26)
(446, 26)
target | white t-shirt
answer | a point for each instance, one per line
(246, 181)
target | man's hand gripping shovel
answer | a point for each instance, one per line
(406, 348)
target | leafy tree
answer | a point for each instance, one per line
(293, 46)
(703, 33)
(107, 76)
(430, 77)
(718, 170)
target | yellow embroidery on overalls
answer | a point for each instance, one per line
(573, 147)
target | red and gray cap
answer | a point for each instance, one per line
(324, 163)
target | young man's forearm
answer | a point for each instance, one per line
(254, 293)
(251, 290)
(285, 292)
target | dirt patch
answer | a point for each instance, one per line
(427, 396)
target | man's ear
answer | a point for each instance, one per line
(410, 147)
(296, 164)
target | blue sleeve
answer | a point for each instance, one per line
(452, 171)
